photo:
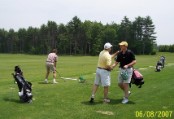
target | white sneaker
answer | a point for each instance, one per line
(46, 81)
(125, 100)
(54, 82)
(106, 100)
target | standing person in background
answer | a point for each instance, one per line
(103, 72)
(51, 65)
(126, 59)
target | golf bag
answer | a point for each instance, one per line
(162, 59)
(25, 90)
(160, 64)
(137, 78)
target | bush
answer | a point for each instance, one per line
(153, 52)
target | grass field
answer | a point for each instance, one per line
(69, 99)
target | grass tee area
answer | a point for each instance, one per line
(69, 99)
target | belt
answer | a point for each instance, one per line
(49, 61)
(125, 68)
(103, 68)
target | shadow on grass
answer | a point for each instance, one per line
(12, 100)
(113, 102)
(118, 101)
(94, 103)
(42, 82)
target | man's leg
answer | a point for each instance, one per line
(126, 93)
(47, 74)
(53, 68)
(106, 92)
(94, 90)
(106, 89)
(106, 99)
(121, 86)
(54, 77)
(126, 89)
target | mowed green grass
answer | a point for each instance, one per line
(69, 99)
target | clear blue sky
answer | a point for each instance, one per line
(24, 13)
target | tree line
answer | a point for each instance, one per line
(166, 48)
(80, 38)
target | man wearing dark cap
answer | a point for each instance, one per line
(126, 60)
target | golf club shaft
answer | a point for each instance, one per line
(60, 75)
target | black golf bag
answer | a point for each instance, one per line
(159, 66)
(25, 90)
(137, 78)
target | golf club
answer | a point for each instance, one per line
(60, 75)
(65, 77)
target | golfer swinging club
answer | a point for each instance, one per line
(126, 59)
(103, 72)
(51, 65)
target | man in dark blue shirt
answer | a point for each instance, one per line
(126, 60)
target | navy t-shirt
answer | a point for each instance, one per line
(125, 59)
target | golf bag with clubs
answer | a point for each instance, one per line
(25, 90)
(137, 78)
(162, 59)
(160, 64)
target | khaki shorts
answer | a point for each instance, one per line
(129, 72)
(102, 77)
(50, 66)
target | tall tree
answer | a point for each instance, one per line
(96, 37)
(43, 35)
(138, 26)
(124, 32)
(52, 34)
(3, 37)
(62, 39)
(32, 40)
(87, 38)
(11, 41)
(22, 33)
(148, 35)
(74, 30)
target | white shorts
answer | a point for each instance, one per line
(129, 71)
(102, 77)
(50, 66)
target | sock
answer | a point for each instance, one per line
(92, 96)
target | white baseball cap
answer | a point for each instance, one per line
(107, 46)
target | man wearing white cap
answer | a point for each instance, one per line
(126, 60)
(103, 72)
